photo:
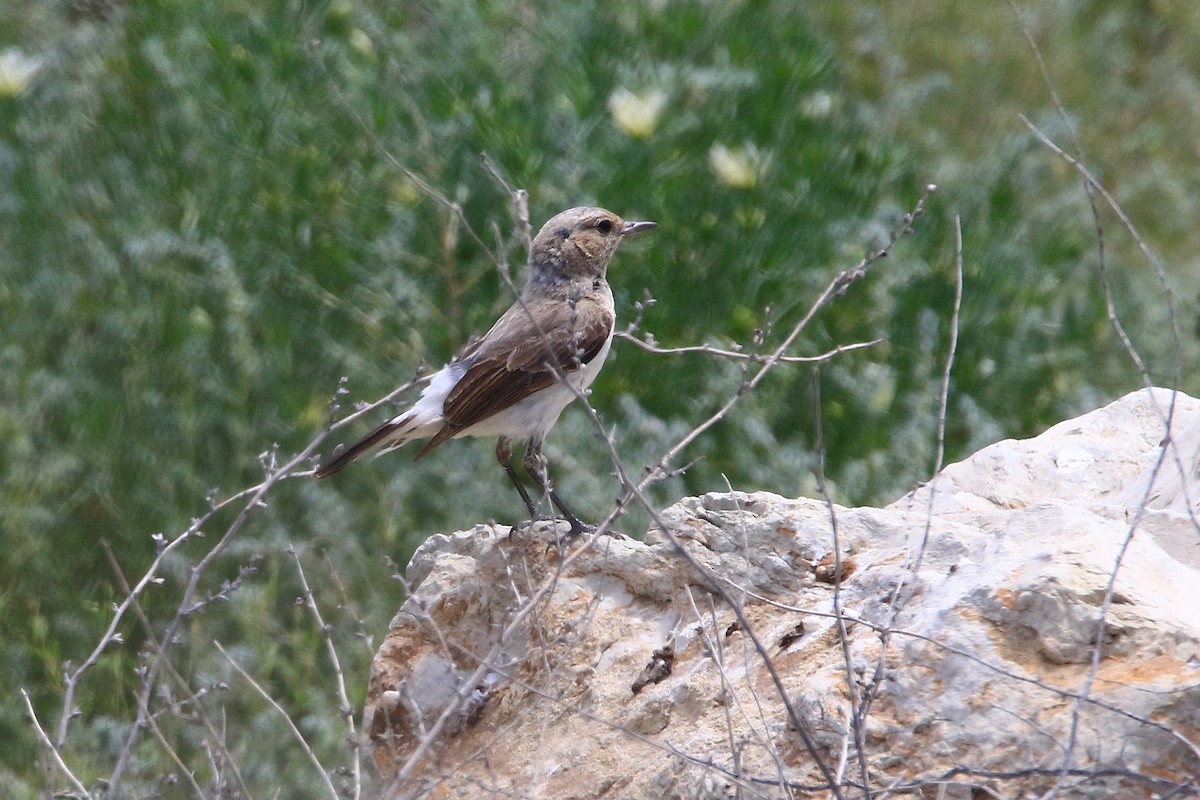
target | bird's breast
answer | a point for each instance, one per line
(584, 377)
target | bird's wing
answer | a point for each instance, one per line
(518, 357)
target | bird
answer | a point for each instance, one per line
(543, 352)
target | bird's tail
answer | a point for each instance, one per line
(390, 434)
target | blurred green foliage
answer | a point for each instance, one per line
(211, 212)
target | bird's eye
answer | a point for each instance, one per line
(604, 226)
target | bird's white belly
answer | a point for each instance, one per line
(536, 414)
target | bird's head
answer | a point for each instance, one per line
(580, 242)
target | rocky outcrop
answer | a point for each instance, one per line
(1028, 622)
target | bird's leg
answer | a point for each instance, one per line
(504, 456)
(535, 465)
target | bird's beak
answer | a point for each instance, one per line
(637, 227)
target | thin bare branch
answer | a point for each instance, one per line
(254, 498)
(1159, 271)
(1093, 188)
(345, 707)
(148, 628)
(299, 737)
(836, 287)
(49, 745)
(666, 747)
(735, 355)
(857, 713)
(519, 199)
(253, 495)
(975, 658)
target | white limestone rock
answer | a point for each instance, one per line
(992, 608)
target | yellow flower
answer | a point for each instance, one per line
(737, 168)
(636, 115)
(361, 42)
(16, 70)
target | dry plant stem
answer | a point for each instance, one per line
(213, 734)
(666, 747)
(1167, 443)
(767, 740)
(1159, 270)
(152, 723)
(548, 676)
(255, 493)
(312, 757)
(944, 394)
(1194, 747)
(188, 605)
(1093, 188)
(340, 680)
(716, 652)
(739, 356)
(857, 705)
(347, 602)
(427, 188)
(518, 197)
(1110, 307)
(49, 745)
(1101, 624)
(636, 492)
(499, 735)
(71, 678)
(900, 597)
(519, 575)
(837, 286)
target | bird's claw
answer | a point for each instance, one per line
(577, 530)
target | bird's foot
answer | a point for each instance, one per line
(577, 529)
(522, 526)
(578, 532)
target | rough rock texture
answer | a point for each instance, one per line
(971, 631)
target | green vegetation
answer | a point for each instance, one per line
(210, 212)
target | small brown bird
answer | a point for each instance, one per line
(515, 381)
